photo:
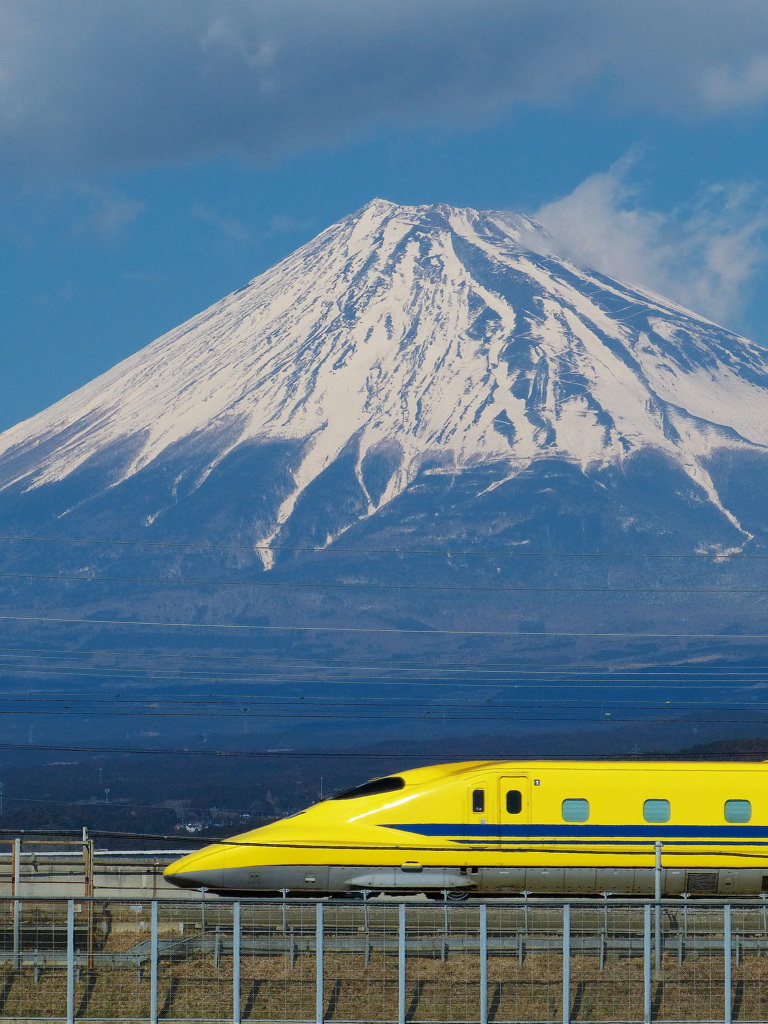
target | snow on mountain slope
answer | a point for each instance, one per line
(434, 334)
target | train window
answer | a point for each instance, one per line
(514, 801)
(738, 811)
(389, 784)
(478, 801)
(656, 810)
(575, 810)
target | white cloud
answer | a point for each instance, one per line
(706, 254)
(284, 224)
(747, 85)
(130, 81)
(231, 228)
(235, 230)
(106, 212)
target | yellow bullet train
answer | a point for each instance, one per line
(505, 827)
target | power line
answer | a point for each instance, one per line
(310, 663)
(449, 588)
(152, 700)
(210, 705)
(177, 703)
(263, 669)
(379, 677)
(444, 757)
(142, 675)
(554, 711)
(183, 752)
(387, 629)
(121, 803)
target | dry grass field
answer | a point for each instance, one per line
(436, 990)
(442, 981)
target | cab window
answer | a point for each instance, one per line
(575, 810)
(514, 801)
(375, 787)
(478, 801)
(656, 811)
(738, 812)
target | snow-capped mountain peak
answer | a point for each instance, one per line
(422, 335)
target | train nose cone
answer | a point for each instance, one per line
(204, 869)
(184, 880)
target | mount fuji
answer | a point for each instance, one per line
(487, 439)
(401, 342)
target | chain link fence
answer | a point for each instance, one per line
(508, 961)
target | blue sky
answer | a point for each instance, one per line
(157, 154)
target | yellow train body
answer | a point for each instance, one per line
(501, 827)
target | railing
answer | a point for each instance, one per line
(384, 961)
(47, 868)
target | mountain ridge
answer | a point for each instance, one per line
(410, 339)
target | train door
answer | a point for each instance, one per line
(514, 800)
(480, 802)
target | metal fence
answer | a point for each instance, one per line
(47, 868)
(379, 961)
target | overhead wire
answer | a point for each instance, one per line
(311, 663)
(430, 757)
(352, 711)
(324, 706)
(143, 676)
(406, 630)
(325, 585)
(329, 672)
(125, 677)
(119, 803)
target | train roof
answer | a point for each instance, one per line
(431, 773)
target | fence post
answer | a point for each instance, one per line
(88, 892)
(483, 963)
(401, 965)
(153, 963)
(647, 1004)
(70, 961)
(236, 963)
(367, 920)
(319, 980)
(15, 885)
(727, 963)
(566, 963)
(657, 898)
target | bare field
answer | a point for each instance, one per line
(436, 990)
